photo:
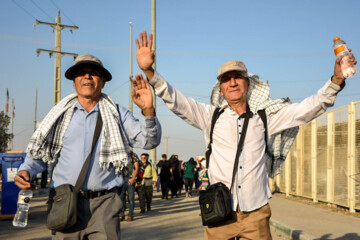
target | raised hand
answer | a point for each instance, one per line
(144, 55)
(338, 77)
(142, 96)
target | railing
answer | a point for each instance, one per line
(324, 161)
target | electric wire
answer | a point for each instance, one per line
(23, 9)
(41, 9)
(62, 11)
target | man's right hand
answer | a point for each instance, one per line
(24, 184)
(145, 55)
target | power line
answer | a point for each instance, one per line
(23, 9)
(41, 9)
(117, 49)
(62, 11)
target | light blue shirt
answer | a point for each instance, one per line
(77, 143)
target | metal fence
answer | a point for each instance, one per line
(324, 162)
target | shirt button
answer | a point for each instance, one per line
(239, 186)
(240, 167)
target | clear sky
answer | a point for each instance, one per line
(288, 43)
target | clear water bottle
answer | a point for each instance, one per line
(340, 49)
(23, 205)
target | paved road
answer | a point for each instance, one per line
(310, 220)
(176, 218)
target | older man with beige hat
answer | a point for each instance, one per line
(238, 93)
(65, 138)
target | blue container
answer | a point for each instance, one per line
(9, 195)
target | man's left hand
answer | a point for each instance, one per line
(142, 96)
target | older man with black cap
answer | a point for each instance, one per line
(238, 94)
(65, 137)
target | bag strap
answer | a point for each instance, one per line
(215, 116)
(248, 114)
(262, 115)
(81, 179)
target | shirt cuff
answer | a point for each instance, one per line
(32, 173)
(336, 87)
(150, 122)
(331, 89)
(157, 80)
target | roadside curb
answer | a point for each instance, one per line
(289, 232)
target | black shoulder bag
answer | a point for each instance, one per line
(62, 203)
(215, 201)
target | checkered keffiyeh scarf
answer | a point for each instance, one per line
(258, 98)
(47, 140)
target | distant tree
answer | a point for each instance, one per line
(4, 137)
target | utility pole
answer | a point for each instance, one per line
(153, 31)
(35, 121)
(131, 67)
(57, 27)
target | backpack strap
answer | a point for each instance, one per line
(215, 116)
(262, 115)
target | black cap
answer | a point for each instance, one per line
(87, 60)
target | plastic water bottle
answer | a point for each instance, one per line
(23, 205)
(340, 49)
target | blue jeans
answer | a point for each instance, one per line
(131, 195)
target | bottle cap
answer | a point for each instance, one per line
(336, 38)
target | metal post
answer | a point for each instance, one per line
(330, 157)
(153, 31)
(12, 125)
(35, 120)
(166, 141)
(300, 159)
(351, 158)
(57, 84)
(288, 171)
(314, 160)
(131, 68)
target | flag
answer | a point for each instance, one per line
(13, 109)
(7, 102)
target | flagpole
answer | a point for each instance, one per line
(7, 102)
(12, 124)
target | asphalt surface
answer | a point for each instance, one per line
(178, 218)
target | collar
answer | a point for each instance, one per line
(247, 111)
(80, 107)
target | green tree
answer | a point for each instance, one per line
(4, 137)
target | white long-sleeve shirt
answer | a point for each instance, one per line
(251, 187)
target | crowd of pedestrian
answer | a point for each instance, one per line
(168, 175)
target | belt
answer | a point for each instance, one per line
(93, 194)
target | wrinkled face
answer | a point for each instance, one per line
(234, 87)
(88, 82)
